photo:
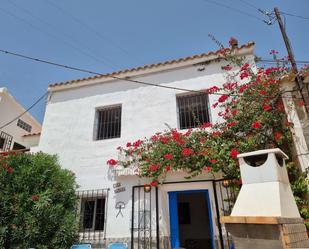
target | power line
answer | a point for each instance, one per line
(112, 76)
(28, 109)
(55, 37)
(289, 14)
(89, 28)
(234, 9)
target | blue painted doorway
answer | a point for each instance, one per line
(191, 220)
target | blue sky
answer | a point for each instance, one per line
(110, 35)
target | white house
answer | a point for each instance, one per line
(87, 119)
(24, 132)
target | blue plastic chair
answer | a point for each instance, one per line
(81, 246)
(117, 246)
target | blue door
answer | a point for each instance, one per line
(184, 217)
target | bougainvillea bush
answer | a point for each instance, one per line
(37, 202)
(252, 117)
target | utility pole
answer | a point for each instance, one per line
(299, 80)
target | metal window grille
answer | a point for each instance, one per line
(193, 110)
(5, 141)
(92, 215)
(24, 125)
(108, 122)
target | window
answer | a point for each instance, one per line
(24, 125)
(2, 141)
(92, 214)
(192, 110)
(108, 122)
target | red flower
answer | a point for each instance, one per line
(223, 98)
(234, 153)
(212, 89)
(301, 103)
(256, 125)
(206, 125)
(129, 144)
(215, 134)
(215, 105)
(226, 68)
(137, 143)
(154, 183)
(234, 111)
(244, 67)
(243, 88)
(167, 167)
(112, 162)
(233, 41)
(187, 152)
(154, 167)
(207, 168)
(267, 107)
(231, 124)
(10, 170)
(244, 75)
(35, 197)
(168, 156)
(278, 136)
(5, 166)
(164, 140)
(262, 92)
(213, 161)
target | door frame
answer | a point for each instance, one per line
(173, 212)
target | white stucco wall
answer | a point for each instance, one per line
(68, 130)
(10, 109)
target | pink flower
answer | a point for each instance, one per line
(212, 89)
(129, 144)
(256, 125)
(187, 152)
(112, 162)
(234, 111)
(234, 153)
(168, 156)
(244, 75)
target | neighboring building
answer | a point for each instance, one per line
(15, 136)
(87, 119)
(295, 109)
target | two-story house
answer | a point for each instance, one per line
(22, 133)
(87, 119)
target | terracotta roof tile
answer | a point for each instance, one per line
(150, 66)
(32, 134)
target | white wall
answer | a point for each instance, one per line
(10, 109)
(68, 129)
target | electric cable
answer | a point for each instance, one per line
(27, 110)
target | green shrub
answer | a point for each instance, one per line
(37, 202)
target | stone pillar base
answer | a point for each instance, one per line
(266, 232)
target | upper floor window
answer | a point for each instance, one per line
(193, 110)
(24, 125)
(108, 122)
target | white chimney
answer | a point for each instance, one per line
(266, 189)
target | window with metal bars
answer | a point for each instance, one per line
(193, 110)
(108, 122)
(24, 125)
(92, 213)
